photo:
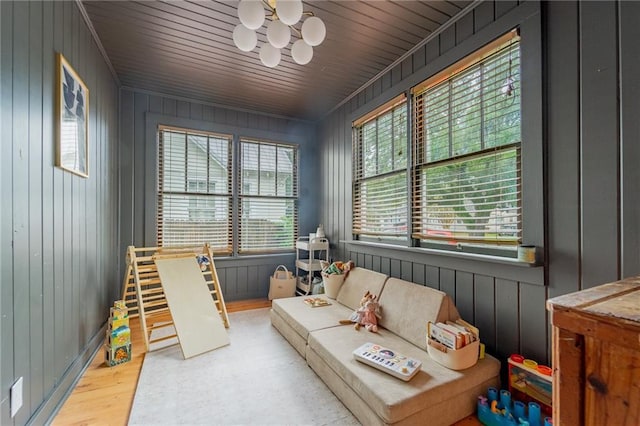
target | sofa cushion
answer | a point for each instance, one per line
(298, 342)
(357, 283)
(452, 410)
(303, 318)
(392, 399)
(407, 307)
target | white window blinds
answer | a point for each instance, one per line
(466, 173)
(268, 199)
(380, 173)
(194, 189)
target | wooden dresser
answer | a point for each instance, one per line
(596, 355)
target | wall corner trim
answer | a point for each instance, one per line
(455, 18)
(94, 34)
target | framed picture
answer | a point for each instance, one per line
(73, 120)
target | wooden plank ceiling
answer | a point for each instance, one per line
(185, 48)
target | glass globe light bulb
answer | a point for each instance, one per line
(251, 13)
(278, 34)
(313, 31)
(269, 55)
(289, 11)
(244, 38)
(301, 52)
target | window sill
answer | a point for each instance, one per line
(262, 259)
(447, 253)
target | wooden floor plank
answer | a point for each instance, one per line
(104, 395)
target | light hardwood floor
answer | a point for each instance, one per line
(104, 395)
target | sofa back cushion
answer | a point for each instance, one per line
(407, 307)
(356, 285)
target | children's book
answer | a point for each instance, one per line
(470, 327)
(441, 334)
(316, 302)
(466, 333)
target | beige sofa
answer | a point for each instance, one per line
(435, 396)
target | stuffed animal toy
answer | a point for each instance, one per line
(347, 267)
(337, 267)
(355, 316)
(369, 315)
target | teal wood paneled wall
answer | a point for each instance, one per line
(585, 211)
(242, 277)
(62, 238)
(58, 231)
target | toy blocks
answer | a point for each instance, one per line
(118, 346)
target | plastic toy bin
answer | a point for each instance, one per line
(498, 409)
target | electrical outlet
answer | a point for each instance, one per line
(16, 397)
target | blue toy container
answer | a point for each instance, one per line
(497, 409)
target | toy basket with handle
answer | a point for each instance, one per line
(282, 283)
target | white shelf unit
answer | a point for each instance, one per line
(309, 254)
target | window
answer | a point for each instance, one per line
(195, 197)
(268, 201)
(194, 189)
(380, 172)
(466, 141)
(199, 207)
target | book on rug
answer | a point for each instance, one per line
(316, 302)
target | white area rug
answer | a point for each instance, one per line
(259, 379)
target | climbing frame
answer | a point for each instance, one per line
(144, 295)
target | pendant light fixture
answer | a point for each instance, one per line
(282, 16)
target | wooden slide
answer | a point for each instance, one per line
(195, 317)
(143, 291)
